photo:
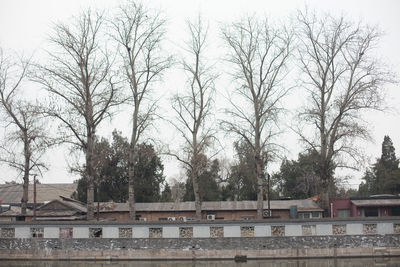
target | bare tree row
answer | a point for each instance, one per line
(85, 80)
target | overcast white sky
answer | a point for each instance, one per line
(24, 26)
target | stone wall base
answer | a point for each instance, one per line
(200, 248)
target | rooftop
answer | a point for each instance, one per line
(12, 193)
(376, 202)
(302, 205)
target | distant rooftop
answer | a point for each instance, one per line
(302, 205)
(12, 193)
(376, 202)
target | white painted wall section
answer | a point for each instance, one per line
(324, 229)
(140, 232)
(22, 232)
(81, 232)
(170, 232)
(384, 228)
(110, 232)
(51, 232)
(355, 228)
(201, 231)
(262, 230)
(232, 231)
(293, 230)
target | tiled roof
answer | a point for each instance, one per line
(75, 208)
(73, 205)
(302, 205)
(12, 194)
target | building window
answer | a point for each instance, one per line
(343, 213)
(339, 229)
(155, 232)
(308, 229)
(247, 231)
(7, 232)
(66, 232)
(125, 232)
(370, 229)
(216, 231)
(316, 214)
(396, 211)
(371, 212)
(396, 228)
(185, 232)
(37, 232)
(278, 230)
(304, 215)
(95, 232)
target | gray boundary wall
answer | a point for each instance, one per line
(204, 229)
(201, 240)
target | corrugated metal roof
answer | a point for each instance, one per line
(12, 194)
(302, 205)
(376, 202)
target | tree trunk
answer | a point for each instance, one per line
(260, 176)
(25, 186)
(90, 178)
(197, 201)
(326, 187)
(131, 189)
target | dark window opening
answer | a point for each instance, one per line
(371, 213)
(396, 211)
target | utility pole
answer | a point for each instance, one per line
(34, 197)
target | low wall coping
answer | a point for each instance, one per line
(205, 222)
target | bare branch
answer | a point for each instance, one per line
(342, 79)
(193, 108)
(259, 54)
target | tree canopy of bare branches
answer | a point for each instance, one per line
(80, 82)
(342, 79)
(258, 54)
(193, 108)
(26, 139)
(139, 33)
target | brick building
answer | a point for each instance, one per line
(373, 206)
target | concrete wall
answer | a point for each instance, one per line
(202, 230)
(81, 232)
(51, 232)
(313, 238)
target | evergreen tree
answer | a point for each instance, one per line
(208, 185)
(111, 172)
(242, 182)
(384, 176)
(299, 178)
(166, 195)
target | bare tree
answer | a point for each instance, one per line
(342, 79)
(258, 54)
(139, 33)
(193, 108)
(80, 82)
(23, 124)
